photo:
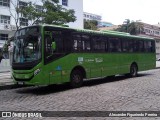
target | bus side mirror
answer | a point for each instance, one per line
(54, 45)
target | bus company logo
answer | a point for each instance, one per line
(90, 60)
(6, 114)
(80, 59)
(99, 60)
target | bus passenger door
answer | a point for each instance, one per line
(53, 67)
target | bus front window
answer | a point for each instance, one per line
(27, 45)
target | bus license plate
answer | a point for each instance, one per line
(20, 83)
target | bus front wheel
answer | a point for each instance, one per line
(76, 79)
(133, 70)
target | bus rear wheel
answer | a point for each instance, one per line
(76, 79)
(133, 70)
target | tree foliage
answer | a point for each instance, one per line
(51, 13)
(131, 27)
(90, 24)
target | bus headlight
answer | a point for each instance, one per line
(36, 72)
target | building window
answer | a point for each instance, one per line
(65, 2)
(23, 22)
(4, 19)
(22, 4)
(5, 3)
(39, 8)
(4, 37)
(156, 32)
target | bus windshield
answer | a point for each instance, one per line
(27, 45)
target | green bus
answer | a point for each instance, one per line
(50, 54)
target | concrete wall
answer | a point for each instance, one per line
(77, 5)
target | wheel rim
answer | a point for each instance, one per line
(133, 70)
(76, 78)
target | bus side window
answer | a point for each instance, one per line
(48, 48)
(153, 46)
(141, 46)
(59, 44)
(135, 44)
(99, 44)
(67, 46)
(130, 45)
(77, 43)
(86, 45)
(81, 42)
(147, 46)
(125, 46)
(138, 46)
(114, 45)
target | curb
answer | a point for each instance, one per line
(157, 68)
(7, 87)
(4, 71)
(11, 86)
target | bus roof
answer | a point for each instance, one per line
(105, 32)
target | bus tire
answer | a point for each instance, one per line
(76, 79)
(133, 70)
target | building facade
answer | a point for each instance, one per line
(90, 16)
(98, 18)
(112, 28)
(103, 24)
(7, 21)
(152, 31)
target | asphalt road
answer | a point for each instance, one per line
(119, 94)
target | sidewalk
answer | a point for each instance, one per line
(5, 65)
(5, 74)
(5, 69)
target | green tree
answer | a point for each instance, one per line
(131, 27)
(51, 13)
(16, 15)
(90, 24)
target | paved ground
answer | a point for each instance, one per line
(5, 69)
(5, 78)
(120, 94)
(5, 65)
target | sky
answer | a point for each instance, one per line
(116, 11)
